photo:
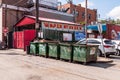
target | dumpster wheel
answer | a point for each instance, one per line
(99, 53)
(117, 52)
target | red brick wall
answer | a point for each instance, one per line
(81, 10)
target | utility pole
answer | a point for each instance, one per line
(17, 14)
(5, 15)
(86, 20)
(37, 17)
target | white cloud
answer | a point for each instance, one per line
(90, 4)
(114, 13)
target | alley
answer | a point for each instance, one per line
(16, 65)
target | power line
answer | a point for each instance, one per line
(17, 2)
(19, 6)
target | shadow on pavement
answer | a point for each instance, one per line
(12, 54)
(102, 64)
(115, 57)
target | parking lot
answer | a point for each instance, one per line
(16, 65)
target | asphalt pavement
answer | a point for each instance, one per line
(15, 64)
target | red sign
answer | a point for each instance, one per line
(59, 26)
(65, 26)
(46, 24)
(5, 30)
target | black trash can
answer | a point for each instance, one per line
(28, 49)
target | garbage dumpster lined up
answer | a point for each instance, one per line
(54, 50)
(43, 49)
(83, 53)
(34, 48)
(66, 52)
(70, 52)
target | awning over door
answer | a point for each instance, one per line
(25, 21)
(95, 27)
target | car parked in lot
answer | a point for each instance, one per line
(105, 46)
(117, 46)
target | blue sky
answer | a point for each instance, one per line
(106, 8)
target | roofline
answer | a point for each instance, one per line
(67, 22)
(52, 11)
(33, 17)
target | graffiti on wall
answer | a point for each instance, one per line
(115, 35)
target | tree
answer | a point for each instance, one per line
(103, 21)
(118, 21)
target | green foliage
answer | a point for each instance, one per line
(118, 21)
(103, 21)
(82, 23)
(111, 21)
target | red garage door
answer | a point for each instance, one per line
(28, 36)
(23, 38)
(18, 40)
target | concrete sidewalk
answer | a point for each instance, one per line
(104, 60)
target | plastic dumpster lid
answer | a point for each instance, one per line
(65, 44)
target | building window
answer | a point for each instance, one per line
(83, 14)
(73, 12)
(89, 16)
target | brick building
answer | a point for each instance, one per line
(80, 12)
(11, 11)
(9, 15)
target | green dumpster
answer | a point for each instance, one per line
(53, 50)
(43, 49)
(66, 52)
(83, 53)
(34, 48)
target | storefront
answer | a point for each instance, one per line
(60, 31)
(93, 30)
(109, 31)
(50, 29)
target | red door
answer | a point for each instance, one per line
(23, 38)
(29, 35)
(18, 41)
(15, 39)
